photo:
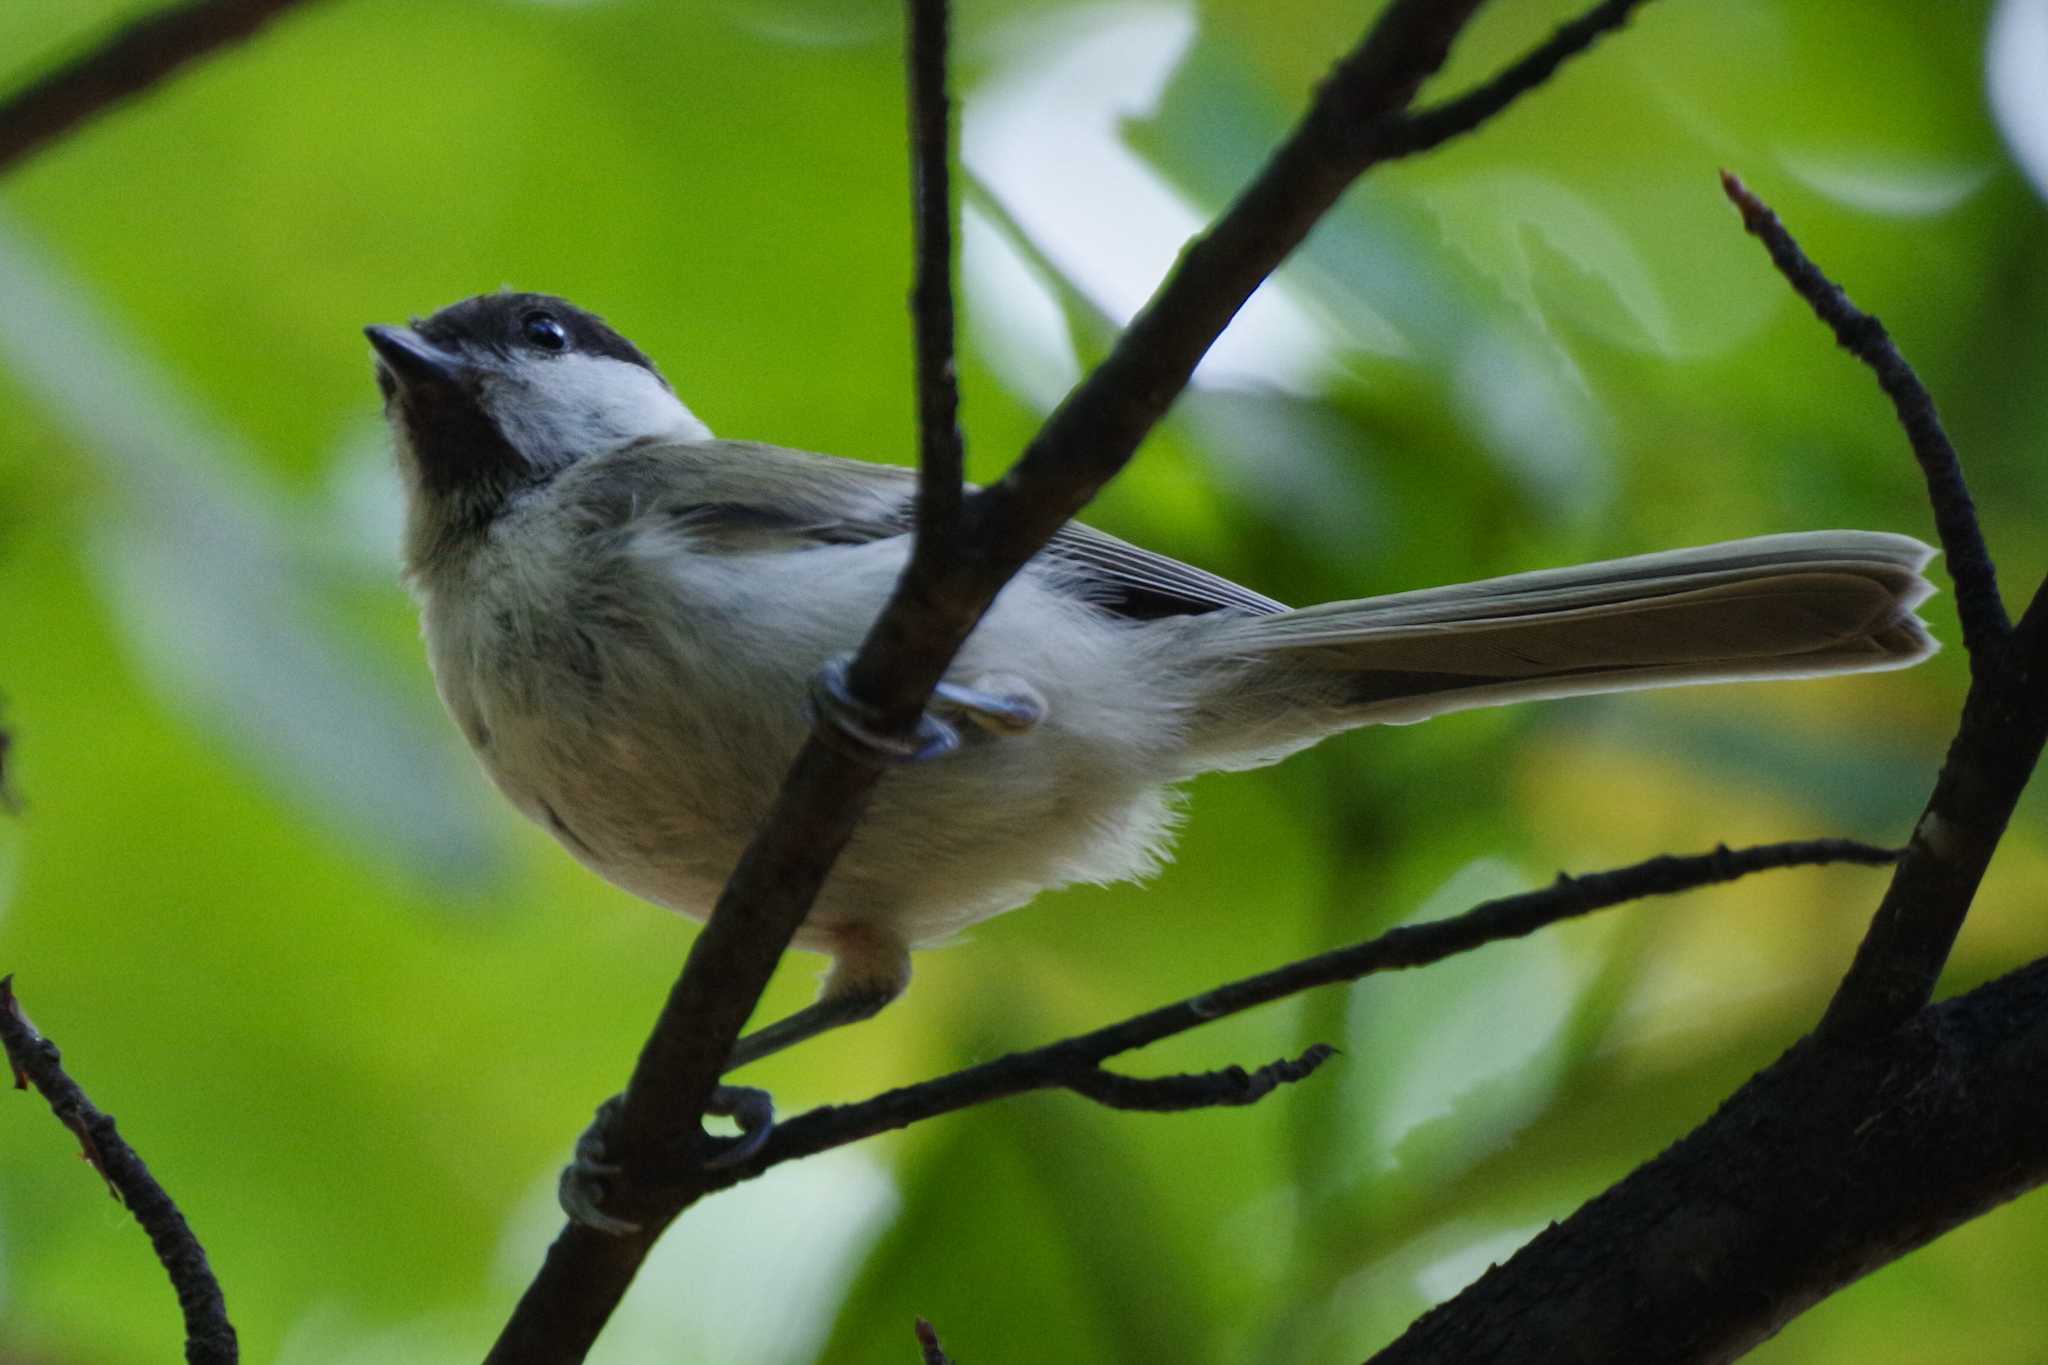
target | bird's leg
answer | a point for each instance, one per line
(1000, 703)
(826, 1014)
(849, 724)
(870, 968)
(585, 1181)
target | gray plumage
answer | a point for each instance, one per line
(624, 616)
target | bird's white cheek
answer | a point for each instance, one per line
(571, 406)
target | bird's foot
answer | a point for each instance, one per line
(586, 1180)
(850, 724)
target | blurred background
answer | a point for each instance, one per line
(354, 1012)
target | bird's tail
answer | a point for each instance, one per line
(1784, 606)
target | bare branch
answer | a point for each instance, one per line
(1231, 1086)
(940, 452)
(1955, 516)
(209, 1336)
(10, 800)
(937, 603)
(928, 1344)
(2005, 715)
(1438, 124)
(1834, 1161)
(128, 62)
(1994, 753)
(1074, 1063)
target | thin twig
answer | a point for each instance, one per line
(128, 62)
(1074, 1062)
(1431, 127)
(1982, 611)
(10, 800)
(1231, 1086)
(940, 448)
(928, 1344)
(209, 1336)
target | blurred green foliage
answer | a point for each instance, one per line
(353, 1012)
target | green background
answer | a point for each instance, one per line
(353, 1011)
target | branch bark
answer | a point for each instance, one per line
(1076, 1063)
(2005, 714)
(209, 1335)
(1835, 1160)
(127, 63)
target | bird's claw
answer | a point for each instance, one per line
(585, 1180)
(753, 1110)
(849, 724)
(584, 1183)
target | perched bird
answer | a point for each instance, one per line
(625, 617)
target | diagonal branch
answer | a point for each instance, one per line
(1955, 516)
(1427, 128)
(1092, 434)
(1830, 1163)
(1075, 1062)
(209, 1336)
(928, 1345)
(1999, 742)
(127, 63)
(2005, 715)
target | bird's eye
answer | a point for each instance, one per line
(543, 331)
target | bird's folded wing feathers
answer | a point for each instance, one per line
(830, 501)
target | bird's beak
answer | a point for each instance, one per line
(412, 360)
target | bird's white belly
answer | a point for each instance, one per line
(655, 768)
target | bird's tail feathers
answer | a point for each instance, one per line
(1778, 606)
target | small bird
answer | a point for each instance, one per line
(626, 617)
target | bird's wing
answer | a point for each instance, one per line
(738, 497)
(1143, 584)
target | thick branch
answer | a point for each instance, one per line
(1837, 1159)
(209, 1336)
(129, 62)
(938, 602)
(2004, 727)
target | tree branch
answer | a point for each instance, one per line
(209, 1336)
(939, 600)
(1955, 515)
(1438, 124)
(928, 1345)
(1833, 1161)
(1075, 1063)
(1894, 1121)
(940, 451)
(10, 800)
(128, 62)
(2005, 714)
